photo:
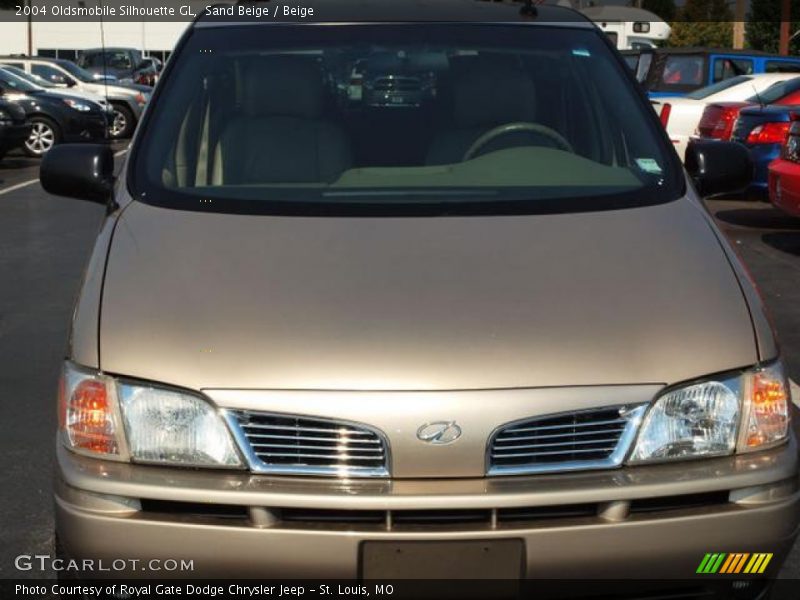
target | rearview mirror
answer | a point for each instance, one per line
(718, 167)
(83, 171)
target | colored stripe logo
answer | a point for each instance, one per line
(736, 562)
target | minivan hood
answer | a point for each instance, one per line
(205, 300)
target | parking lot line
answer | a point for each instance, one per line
(795, 389)
(18, 186)
(8, 190)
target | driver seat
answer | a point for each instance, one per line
(489, 93)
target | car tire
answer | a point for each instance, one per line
(123, 124)
(45, 134)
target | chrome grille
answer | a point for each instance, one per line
(590, 439)
(297, 445)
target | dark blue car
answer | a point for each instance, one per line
(763, 129)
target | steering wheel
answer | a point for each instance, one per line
(518, 127)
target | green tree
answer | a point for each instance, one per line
(762, 30)
(703, 23)
(665, 9)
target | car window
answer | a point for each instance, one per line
(48, 73)
(715, 88)
(119, 60)
(777, 91)
(683, 70)
(76, 71)
(11, 83)
(30, 77)
(782, 66)
(390, 117)
(93, 60)
(725, 68)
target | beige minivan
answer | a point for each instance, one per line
(494, 334)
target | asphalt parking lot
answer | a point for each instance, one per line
(44, 242)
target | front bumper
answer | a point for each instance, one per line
(13, 136)
(86, 128)
(639, 523)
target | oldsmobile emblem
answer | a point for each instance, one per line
(439, 432)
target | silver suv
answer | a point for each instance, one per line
(128, 101)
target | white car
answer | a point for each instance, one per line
(681, 114)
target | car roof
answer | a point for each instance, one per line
(360, 11)
(705, 50)
(18, 58)
(110, 49)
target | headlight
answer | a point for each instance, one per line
(77, 104)
(125, 420)
(165, 426)
(740, 412)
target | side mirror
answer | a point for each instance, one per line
(718, 167)
(83, 171)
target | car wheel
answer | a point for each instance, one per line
(123, 123)
(44, 135)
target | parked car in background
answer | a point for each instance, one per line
(784, 173)
(719, 117)
(760, 123)
(398, 80)
(680, 71)
(63, 92)
(128, 100)
(151, 74)
(681, 114)
(15, 128)
(54, 118)
(128, 65)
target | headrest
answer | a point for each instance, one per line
(491, 93)
(287, 86)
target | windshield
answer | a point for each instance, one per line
(15, 83)
(370, 118)
(76, 71)
(776, 91)
(717, 87)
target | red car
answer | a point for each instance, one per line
(784, 174)
(719, 117)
